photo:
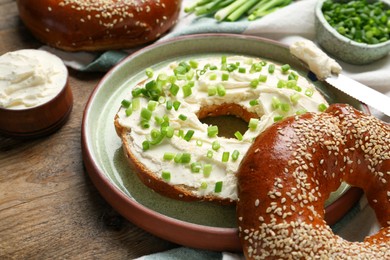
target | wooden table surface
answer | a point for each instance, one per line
(49, 208)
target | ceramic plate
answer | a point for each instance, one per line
(196, 224)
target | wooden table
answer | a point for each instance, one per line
(49, 208)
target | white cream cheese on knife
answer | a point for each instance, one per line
(317, 60)
(29, 78)
(292, 95)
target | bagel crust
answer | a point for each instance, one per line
(289, 172)
(88, 25)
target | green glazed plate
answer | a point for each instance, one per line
(194, 224)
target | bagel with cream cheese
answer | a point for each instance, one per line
(169, 147)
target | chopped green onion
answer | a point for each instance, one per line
(225, 77)
(293, 76)
(180, 133)
(309, 92)
(221, 90)
(278, 118)
(162, 78)
(291, 83)
(168, 156)
(179, 70)
(176, 104)
(126, 103)
(263, 78)
(254, 83)
(209, 154)
(254, 102)
(203, 185)
(169, 104)
(241, 70)
(136, 92)
(152, 105)
(285, 68)
(322, 107)
(238, 135)
(256, 67)
(166, 175)
(146, 113)
(145, 145)
(168, 130)
(213, 76)
(190, 74)
(212, 131)
(225, 156)
(174, 89)
(161, 100)
(235, 155)
(218, 186)
(215, 145)
(196, 167)
(145, 123)
(187, 90)
(149, 72)
(157, 137)
(271, 68)
(188, 135)
(159, 120)
(207, 168)
(185, 158)
(182, 117)
(285, 107)
(199, 142)
(177, 158)
(129, 111)
(223, 59)
(136, 104)
(172, 79)
(275, 102)
(297, 88)
(281, 83)
(212, 90)
(253, 122)
(194, 64)
(294, 98)
(301, 111)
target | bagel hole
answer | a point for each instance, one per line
(227, 125)
(229, 118)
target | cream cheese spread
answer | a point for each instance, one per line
(317, 60)
(29, 78)
(269, 90)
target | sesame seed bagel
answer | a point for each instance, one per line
(291, 169)
(88, 25)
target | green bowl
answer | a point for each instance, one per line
(343, 48)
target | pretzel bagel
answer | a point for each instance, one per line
(75, 25)
(289, 172)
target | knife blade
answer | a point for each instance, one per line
(361, 92)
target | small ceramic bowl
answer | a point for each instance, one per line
(45, 117)
(343, 48)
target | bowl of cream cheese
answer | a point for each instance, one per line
(35, 96)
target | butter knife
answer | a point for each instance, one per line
(328, 70)
(360, 92)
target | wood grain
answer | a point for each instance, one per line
(49, 209)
